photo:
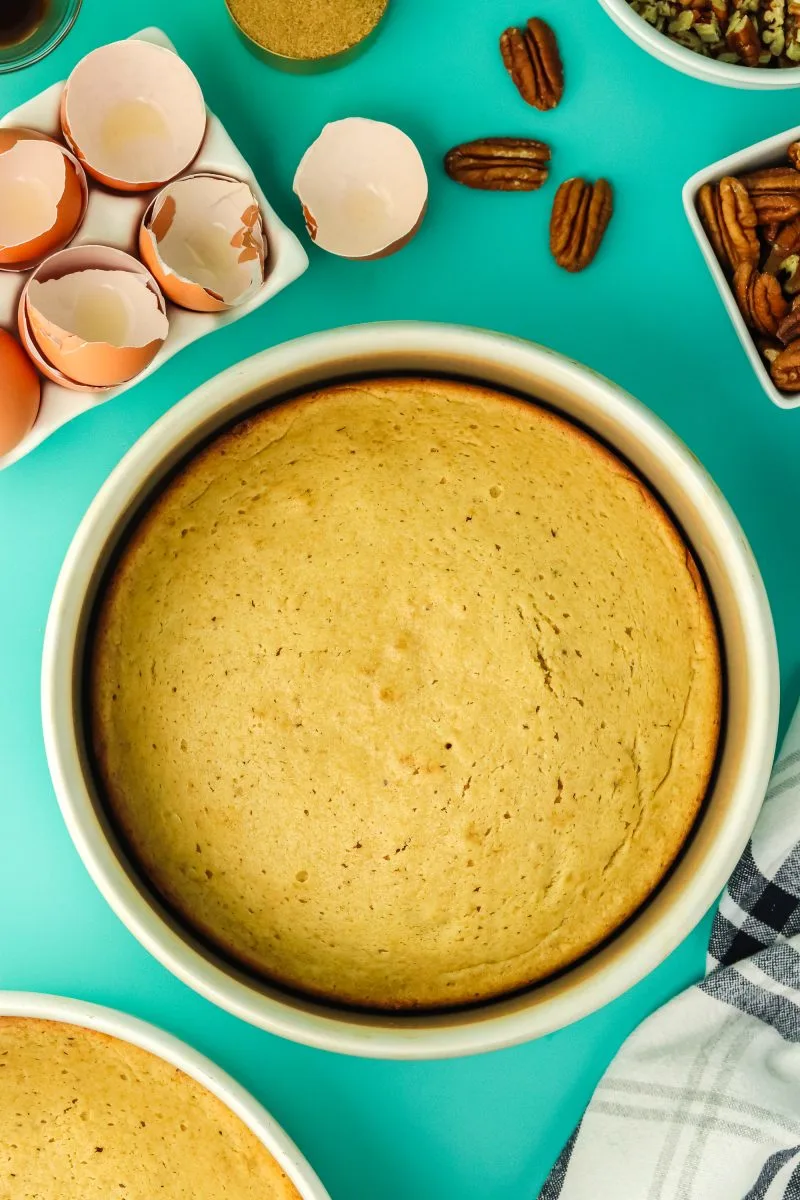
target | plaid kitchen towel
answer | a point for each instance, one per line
(703, 1100)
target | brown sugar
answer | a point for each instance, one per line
(306, 29)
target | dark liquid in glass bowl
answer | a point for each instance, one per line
(19, 19)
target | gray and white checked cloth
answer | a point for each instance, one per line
(702, 1101)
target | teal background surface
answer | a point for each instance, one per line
(646, 314)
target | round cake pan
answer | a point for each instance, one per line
(163, 1045)
(749, 650)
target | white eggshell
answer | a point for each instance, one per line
(363, 188)
(203, 240)
(96, 315)
(134, 114)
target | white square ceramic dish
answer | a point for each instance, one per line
(771, 152)
(112, 219)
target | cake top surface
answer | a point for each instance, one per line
(405, 693)
(86, 1116)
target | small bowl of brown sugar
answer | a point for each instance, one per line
(306, 34)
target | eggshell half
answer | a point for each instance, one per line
(38, 359)
(203, 240)
(363, 188)
(43, 197)
(95, 314)
(20, 393)
(134, 115)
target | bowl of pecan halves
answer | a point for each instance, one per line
(745, 214)
(738, 43)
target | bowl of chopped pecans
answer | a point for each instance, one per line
(745, 213)
(737, 43)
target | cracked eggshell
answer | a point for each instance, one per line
(363, 188)
(20, 393)
(95, 316)
(134, 114)
(43, 197)
(203, 240)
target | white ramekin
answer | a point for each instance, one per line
(719, 544)
(207, 1073)
(769, 153)
(682, 59)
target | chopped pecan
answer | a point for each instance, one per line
(499, 164)
(738, 222)
(533, 61)
(760, 299)
(790, 270)
(769, 348)
(793, 154)
(772, 180)
(789, 328)
(742, 39)
(792, 35)
(581, 212)
(785, 368)
(782, 240)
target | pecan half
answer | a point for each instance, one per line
(778, 207)
(499, 164)
(793, 154)
(742, 39)
(760, 299)
(785, 368)
(581, 212)
(533, 61)
(708, 208)
(772, 179)
(738, 222)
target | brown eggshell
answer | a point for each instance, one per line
(187, 295)
(133, 114)
(202, 211)
(56, 290)
(38, 359)
(69, 196)
(20, 393)
(363, 189)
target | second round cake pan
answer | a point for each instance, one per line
(745, 625)
(112, 1024)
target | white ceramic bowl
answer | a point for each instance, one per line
(749, 648)
(682, 59)
(212, 1077)
(769, 153)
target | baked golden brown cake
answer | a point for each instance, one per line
(85, 1116)
(405, 693)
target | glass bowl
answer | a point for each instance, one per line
(58, 18)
